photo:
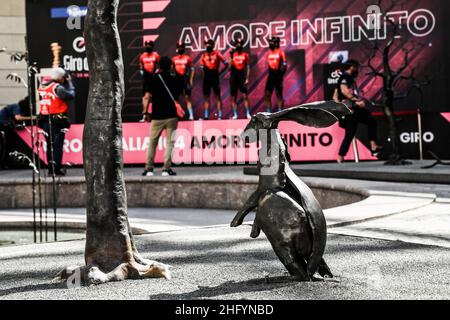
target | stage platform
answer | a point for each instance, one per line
(373, 171)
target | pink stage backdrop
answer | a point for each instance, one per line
(214, 142)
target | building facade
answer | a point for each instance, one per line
(12, 37)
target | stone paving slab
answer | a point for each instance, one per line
(428, 225)
(375, 207)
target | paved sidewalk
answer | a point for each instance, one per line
(429, 225)
(393, 245)
(224, 263)
(218, 262)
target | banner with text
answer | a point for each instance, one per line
(213, 142)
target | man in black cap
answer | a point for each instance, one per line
(347, 92)
(210, 62)
(166, 86)
(184, 68)
(277, 64)
(148, 64)
(239, 77)
(9, 116)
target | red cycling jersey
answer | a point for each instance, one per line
(212, 60)
(49, 101)
(240, 61)
(148, 61)
(275, 58)
(182, 63)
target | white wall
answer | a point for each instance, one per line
(12, 36)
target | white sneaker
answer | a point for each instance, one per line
(169, 172)
(149, 173)
(249, 116)
(234, 118)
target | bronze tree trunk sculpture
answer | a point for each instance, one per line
(390, 76)
(110, 252)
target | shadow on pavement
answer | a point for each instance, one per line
(230, 287)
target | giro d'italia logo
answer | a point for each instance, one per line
(78, 45)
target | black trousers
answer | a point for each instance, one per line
(275, 82)
(4, 135)
(351, 122)
(7, 146)
(237, 82)
(58, 136)
(211, 81)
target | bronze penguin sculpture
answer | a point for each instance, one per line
(286, 209)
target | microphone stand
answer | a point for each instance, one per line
(40, 143)
(17, 56)
(419, 87)
(39, 184)
(52, 163)
(31, 72)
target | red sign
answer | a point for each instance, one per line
(214, 142)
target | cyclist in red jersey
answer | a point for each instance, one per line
(148, 64)
(239, 77)
(184, 68)
(277, 64)
(55, 98)
(210, 62)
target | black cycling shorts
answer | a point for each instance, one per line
(237, 82)
(275, 82)
(147, 83)
(187, 89)
(211, 81)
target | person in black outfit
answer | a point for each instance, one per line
(15, 112)
(164, 114)
(9, 116)
(346, 92)
(277, 65)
